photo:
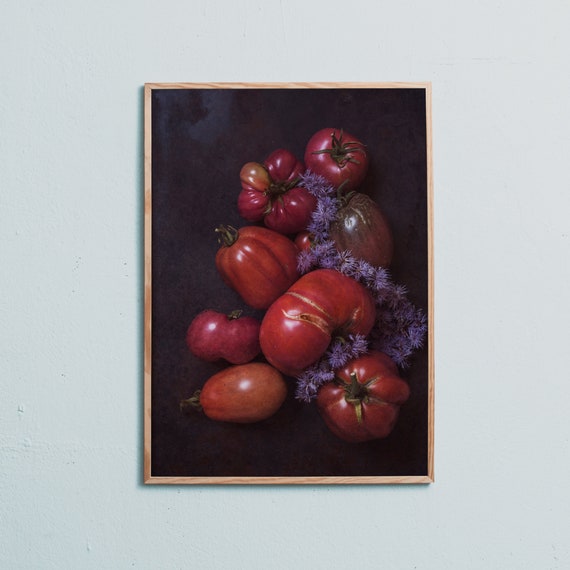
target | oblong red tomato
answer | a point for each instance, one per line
(363, 402)
(298, 327)
(338, 156)
(259, 263)
(244, 393)
(362, 228)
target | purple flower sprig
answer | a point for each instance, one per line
(399, 328)
(339, 352)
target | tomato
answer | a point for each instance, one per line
(337, 156)
(243, 393)
(304, 240)
(214, 336)
(257, 262)
(283, 166)
(362, 228)
(270, 192)
(298, 327)
(363, 402)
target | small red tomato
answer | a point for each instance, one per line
(363, 402)
(214, 336)
(257, 262)
(304, 240)
(338, 156)
(362, 228)
(244, 393)
(271, 193)
(299, 326)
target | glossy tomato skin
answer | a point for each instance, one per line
(283, 166)
(298, 327)
(338, 156)
(259, 263)
(245, 393)
(304, 240)
(253, 200)
(363, 402)
(362, 228)
(270, 193)
(292, 211)
(214, 336)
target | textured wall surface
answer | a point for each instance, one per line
(71, 220)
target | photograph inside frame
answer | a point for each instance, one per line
(288, 315)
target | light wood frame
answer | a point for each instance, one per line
(148, 477)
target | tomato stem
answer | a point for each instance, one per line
(279, 188)
(228, 235)
(356, 394)
(340, 150)
(192, 403)
(236, 314)
(341, 197)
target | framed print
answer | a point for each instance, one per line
(288, 283)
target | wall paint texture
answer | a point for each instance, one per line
(71, 220)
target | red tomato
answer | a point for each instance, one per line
(304, 240)
(214, 336)
(270, 192)
(362, 228)
(283, 166)
(363, 402)
(298, 327)
(244, 393)
(257, 262)
(337, 156)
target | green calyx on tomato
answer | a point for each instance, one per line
(228, 235)
(192, 403)
(340, 151)
(276, 191)
(356, 393)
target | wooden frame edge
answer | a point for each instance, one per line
(148, 479)
(431, 294)
(147, 280)
(292, 84)
(347, 480)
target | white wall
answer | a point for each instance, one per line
(71, 285)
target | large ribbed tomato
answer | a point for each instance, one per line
(299, 326)
(363, 401)
(362, 228)
(257, 262)
(271, 193)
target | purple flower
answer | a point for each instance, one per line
(316, 184)
(322, 217)
(339, 352)
(347, 263)
(309, 382)
(400, 327)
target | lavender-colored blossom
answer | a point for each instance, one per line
(347, 263)
(364, 272)
(324, 214)
(306, 260)
(316, 184)
(309, 382)
(339, 353)
(326, 254)
(400, 327)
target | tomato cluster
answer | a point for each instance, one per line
(303, 314)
